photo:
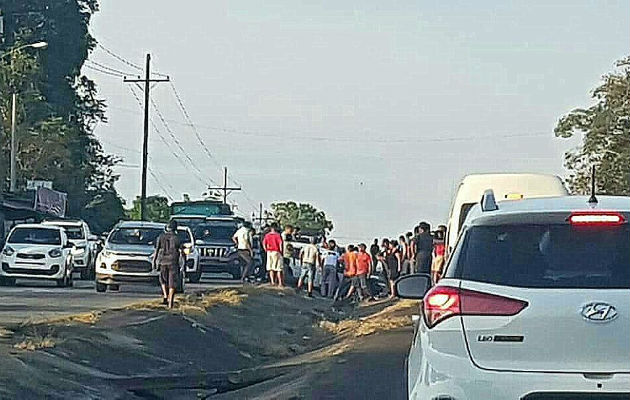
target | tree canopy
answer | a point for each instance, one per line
(58, 107)
(303, 215)
(606, 141)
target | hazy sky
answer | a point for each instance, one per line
(371, 110)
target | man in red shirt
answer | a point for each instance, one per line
(272, 243)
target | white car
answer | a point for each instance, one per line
(534, 305)
(127, 256)
(83, 253)
(191, 263)
(37, 251)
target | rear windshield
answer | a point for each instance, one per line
(74, 232)
(546, 256)
(138, 236)
(35, 236)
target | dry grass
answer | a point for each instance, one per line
(35, 344)
(89, 318)
(194, 304)
(382, 321)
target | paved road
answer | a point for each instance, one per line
(36, 300)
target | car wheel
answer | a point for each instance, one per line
(115, 288)
(101, 287)
(7, 281)
(85, 273)
(195, 277)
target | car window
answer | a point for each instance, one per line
(137, 236)
(74, 232)
(35, 236)
(184, 236)
(547, 256)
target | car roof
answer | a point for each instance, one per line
(525, 210)
(141, 224)
(40, 226)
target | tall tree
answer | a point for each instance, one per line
(606, 141)
(58, 107)
(157, 210)
(303, 215)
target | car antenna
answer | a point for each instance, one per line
(592, 199)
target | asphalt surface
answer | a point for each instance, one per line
(36, 300)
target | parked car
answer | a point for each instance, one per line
(84, 250)
(191, 263)
(37, 251)
(127, 256)
(533, 304)
(505, 186)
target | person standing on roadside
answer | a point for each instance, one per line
(167, 256)
(309, 259)
(272, 243)
(394, 264)
(330, 259)
(349, 259)
(403, 247)
(439, 249)
(243, 240)
(374, 250)
(424, 249)
(287, 249)
(364, 269)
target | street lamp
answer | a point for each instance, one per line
(36, 45)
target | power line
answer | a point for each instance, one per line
(108, 68)
(125, 61)
(103, 71)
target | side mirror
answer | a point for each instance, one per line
(92, 238)
(413, 286)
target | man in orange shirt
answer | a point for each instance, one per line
(364, 269)
(349, 259)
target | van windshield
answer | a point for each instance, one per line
(547, 256)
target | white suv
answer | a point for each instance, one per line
(36, 251)
(191, 263)
(83, 253)
(534, 305)
(127, 256)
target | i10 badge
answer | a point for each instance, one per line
(599, 312)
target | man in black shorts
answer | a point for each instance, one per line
(168, 250)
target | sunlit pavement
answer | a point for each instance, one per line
(32, 300)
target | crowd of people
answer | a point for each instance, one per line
(354, 270)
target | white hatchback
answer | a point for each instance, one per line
(534, 305)
(37, 251)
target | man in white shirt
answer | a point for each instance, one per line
(243, 241)
(309, 258)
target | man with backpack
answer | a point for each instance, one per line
(168, 251)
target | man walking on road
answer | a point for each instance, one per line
(364, 269)
(168, 251)
(349, 259)
(424, 249)
(272, 243)
(309, 258)
(243, 240)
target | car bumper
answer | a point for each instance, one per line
(219, 265)
(55, 271)
(110, 279)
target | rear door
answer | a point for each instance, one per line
(576, 281)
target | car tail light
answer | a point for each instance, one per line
(596, 218)
(442, 302)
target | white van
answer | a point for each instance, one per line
(505, 186)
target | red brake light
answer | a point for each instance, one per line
(596, 218)
(442, 302)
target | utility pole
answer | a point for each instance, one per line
(225, 189)
(13, 165)
(145, 144)
(261, 218)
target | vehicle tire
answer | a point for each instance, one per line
(195, 277)
(7, 281)
(101, 287)
(85, 274)
(114, 288)
(179, 285)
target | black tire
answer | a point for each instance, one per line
(101, 287)
(195, 277)
(7, 281)
(85, 274)
(114, 288)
